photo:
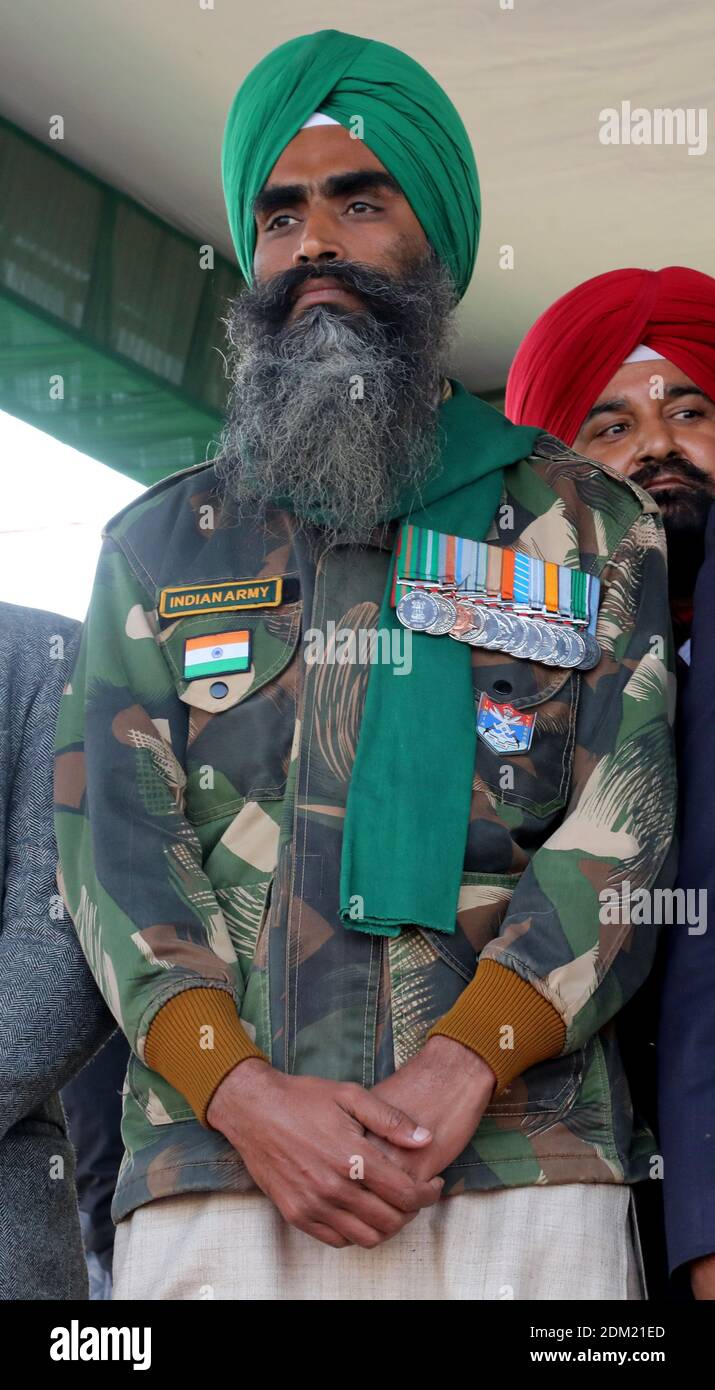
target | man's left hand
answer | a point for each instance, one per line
(447, 1088)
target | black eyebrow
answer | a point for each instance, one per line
(605, 408)
(674, 392)
(280, 195)
(671, 392)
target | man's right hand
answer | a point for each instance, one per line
(301, 1137)
(702, 1278)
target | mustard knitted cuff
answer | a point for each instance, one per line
(505, 1020)
(193, 1060)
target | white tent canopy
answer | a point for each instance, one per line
(144, 90)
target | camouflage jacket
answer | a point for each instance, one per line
(200, 838)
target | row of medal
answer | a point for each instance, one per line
(497, 598)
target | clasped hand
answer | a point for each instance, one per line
(346, 1165)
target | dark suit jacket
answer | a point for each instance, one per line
(686, 1048)
(52, 1016)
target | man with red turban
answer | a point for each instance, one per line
(622, 368)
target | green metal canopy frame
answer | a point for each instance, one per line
(110, 330)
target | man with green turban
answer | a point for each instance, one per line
(384, 99)
(370, 712)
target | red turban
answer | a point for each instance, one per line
(577, 345)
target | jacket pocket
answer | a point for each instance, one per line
(241, 724)
(429, 971)
(481, 907)
(538, 779)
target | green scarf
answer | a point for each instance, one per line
(409, 799)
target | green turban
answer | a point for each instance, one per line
(409, 123)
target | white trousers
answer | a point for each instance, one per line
(576, 1241)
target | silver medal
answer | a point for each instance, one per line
(562, 649)
(519, 629)
(417, 609)
(547, 641)
(578, 648)
(493, 631)
(445, 617)
(498, 632)
(531, 642)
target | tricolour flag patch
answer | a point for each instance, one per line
(218, 654)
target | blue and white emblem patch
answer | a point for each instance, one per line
(503, 728)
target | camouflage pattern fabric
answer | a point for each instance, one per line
(200, 838)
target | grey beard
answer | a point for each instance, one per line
(336, 411)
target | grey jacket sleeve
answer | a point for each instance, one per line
(52, 1016)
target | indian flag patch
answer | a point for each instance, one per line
(218, 654)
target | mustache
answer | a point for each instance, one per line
(382, 295)
(679, 467)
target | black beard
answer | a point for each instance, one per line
(336, 410)
(685, 515)
(685, 536)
